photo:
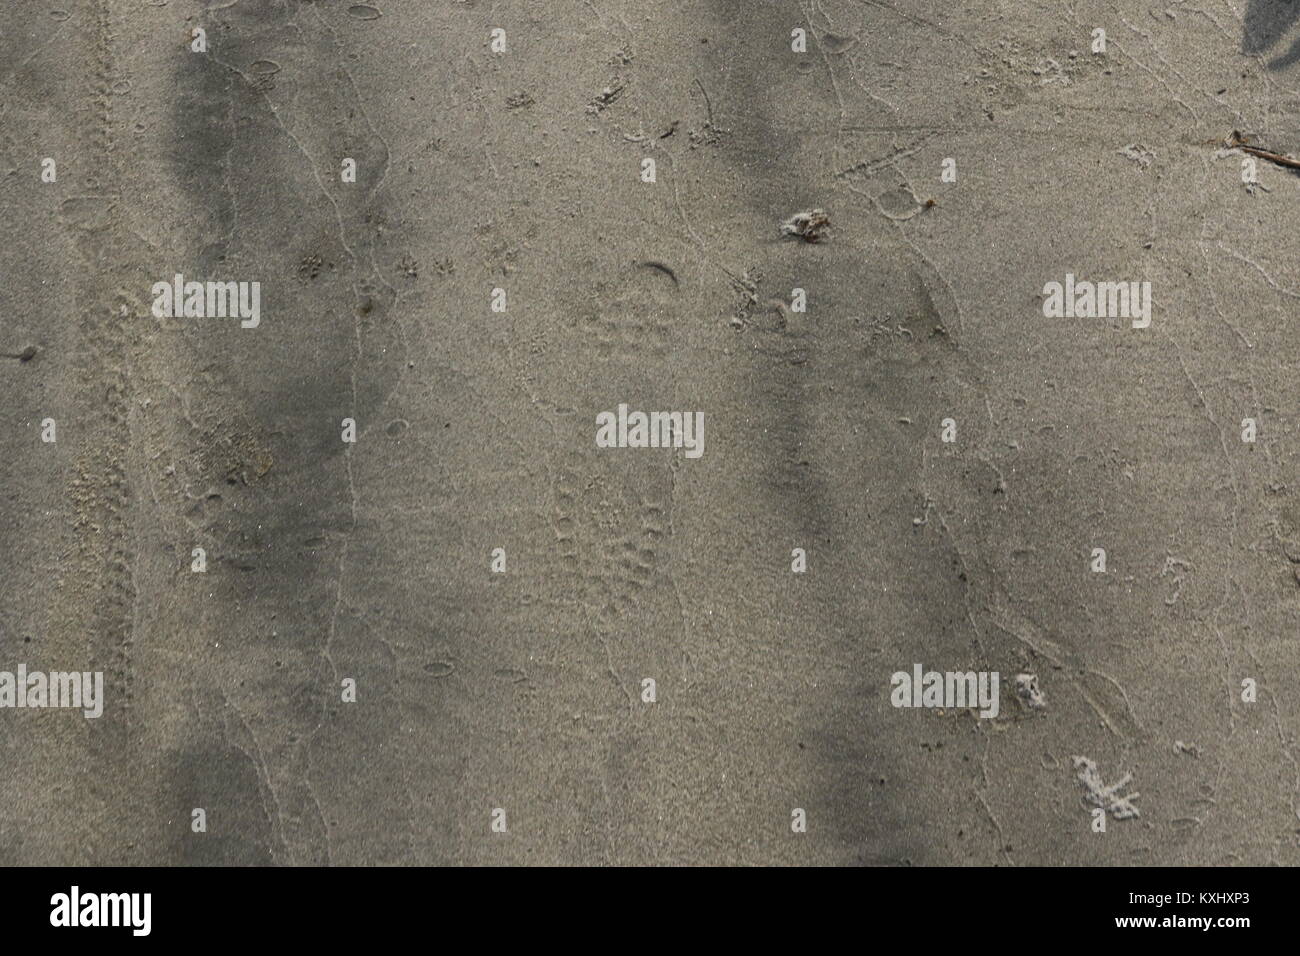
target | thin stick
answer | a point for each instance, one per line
(1236, 141)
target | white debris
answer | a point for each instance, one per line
(808, 225)
(1138, 153)
(1028, 692)
(1101, 795)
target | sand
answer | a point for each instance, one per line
(501, 717)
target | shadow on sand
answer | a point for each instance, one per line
(1265, 24)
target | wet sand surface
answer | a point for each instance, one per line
(523, 170)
